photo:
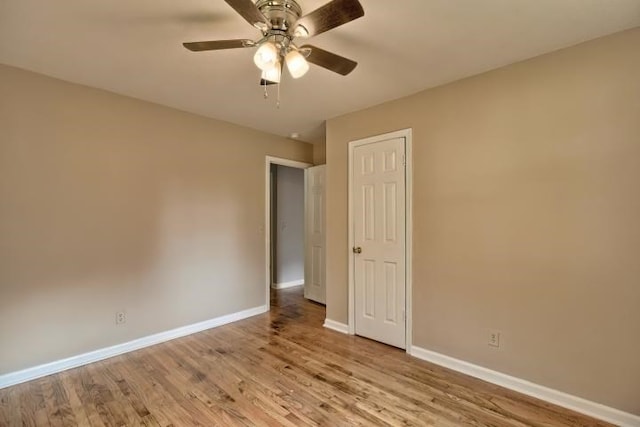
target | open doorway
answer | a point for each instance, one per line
(285, 226)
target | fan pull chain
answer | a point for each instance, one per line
(278, 100)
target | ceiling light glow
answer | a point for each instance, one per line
(297, 64)
(273, 74)
(267, 56)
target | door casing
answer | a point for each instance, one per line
(407, 135)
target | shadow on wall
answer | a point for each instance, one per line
(90, 229)
(113, 204)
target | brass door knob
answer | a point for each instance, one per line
(357, 250)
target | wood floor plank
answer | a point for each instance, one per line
(278, 369)
(289, 350)
(260, 375)
(233, 385)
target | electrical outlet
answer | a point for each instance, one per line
(121, 317)
(494, 339)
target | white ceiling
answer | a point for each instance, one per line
(133, 47)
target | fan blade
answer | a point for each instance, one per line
(330, 61)
(218, 45)
(327, 17)
(248, 10)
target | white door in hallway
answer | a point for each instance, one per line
(379, 223)
(314, 265)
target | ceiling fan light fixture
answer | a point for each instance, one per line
(281, 22)
(301, 31)
(266, 56)
(262, 26)
(273, 74)
(297, 64)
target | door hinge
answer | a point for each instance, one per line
(404, 160)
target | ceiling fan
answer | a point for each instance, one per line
(281, 22)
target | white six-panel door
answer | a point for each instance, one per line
(314, 268)
(378, 192)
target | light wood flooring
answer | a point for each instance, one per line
(278, 369)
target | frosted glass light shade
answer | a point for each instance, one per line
(266, 56)
(297, 64)
(273, 74)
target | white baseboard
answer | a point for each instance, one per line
(29, 374)
(336, 326)
(286, 285)
(578, 404)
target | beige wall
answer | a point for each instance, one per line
(320, 153)
(109, 203)
(526, 217)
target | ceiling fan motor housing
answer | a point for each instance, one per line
(282, 14)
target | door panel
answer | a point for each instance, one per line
(379, 230)
(314, 269)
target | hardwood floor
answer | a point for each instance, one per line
(278, 369)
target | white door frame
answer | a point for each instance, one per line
(408, 174)
(269, 160)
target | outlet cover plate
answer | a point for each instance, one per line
(121, 317)
(494, 339)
